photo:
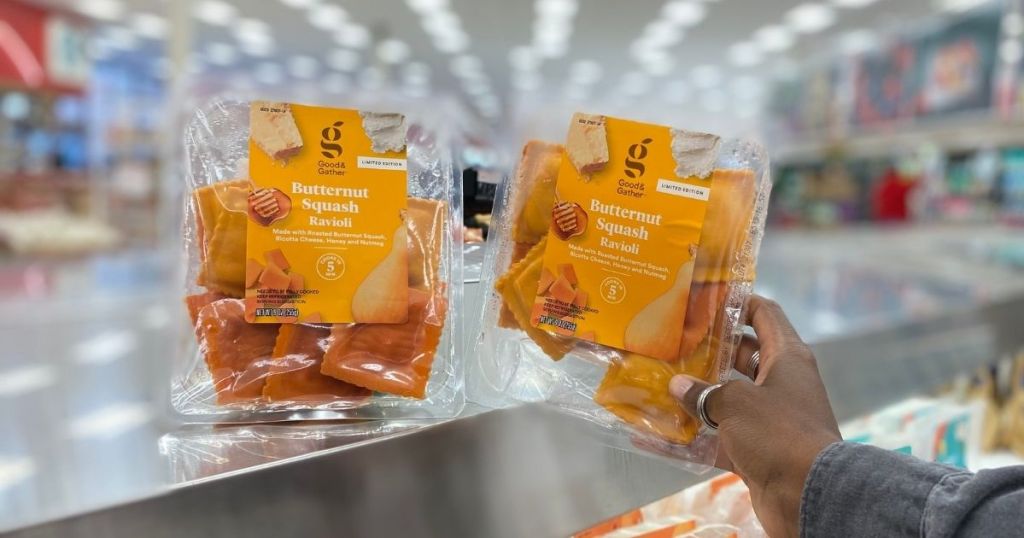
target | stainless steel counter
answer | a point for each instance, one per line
(86, 427)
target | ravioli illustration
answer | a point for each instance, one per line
(391, 358)
(294, 374)
(237, 353)
(382, 297)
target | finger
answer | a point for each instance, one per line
(745, 354)
(770, 324)
(687, 389)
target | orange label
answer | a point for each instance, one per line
(624, 232)
(326, 239)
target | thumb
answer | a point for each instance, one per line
(687, 389)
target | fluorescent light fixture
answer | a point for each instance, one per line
(1010, 51)
(662, 34)
(300, 4)
(343, 60)
(441, 22)
(110, 421)
(426, 6)
(774, 38)
(353, 36)
(269, 74)
(684, 13)
(1013, 24)
(556, 9)
(858, 41)
(25, 379)
(251, 27)
(959, 5)
(215, 12)
(853, 4)
(149, 25)
(257, 48)
(553, 50)
(302, 66)
(585, 72)
(327, 16)
(658, 63)
(392, 51)
(745, 54)
(706, 76)
(454, 43)
(336, 83)
(108, 10)
(810, 18)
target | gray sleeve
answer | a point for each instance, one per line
(859, 490)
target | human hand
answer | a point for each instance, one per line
(770, 430)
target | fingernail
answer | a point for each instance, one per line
(679, 386)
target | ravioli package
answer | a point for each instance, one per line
(324, 271)
(621, 258)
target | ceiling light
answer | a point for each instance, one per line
(302, 66)
(299, 4)
(452, 43)
(392, 51)
(853, 4)
(774, 38)
(251, 27)
(336, 83)
(441, 22)
(558, 9)
(959, 5)
(221, 54)
(684, 13)
(553, 50)
(858, 41)
(745, 54)
(327, 16)
(426, 6)
(658, 63)
(269, 74)
(1010, 51)
(343, 60)
(101, 9)
(149, 25)
(706, 76)
(810, 18)
(352, 36)
(662, 34)
(1013, 24)
(260, 45)
(215, 12)
(585, 71)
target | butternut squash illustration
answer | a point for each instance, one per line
(657, 330)
(383, 296)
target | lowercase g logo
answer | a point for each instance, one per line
(329, 141)
(636, 154)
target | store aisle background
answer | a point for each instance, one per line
(895, 126)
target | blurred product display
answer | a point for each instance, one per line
(893, 239)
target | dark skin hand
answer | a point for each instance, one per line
(770, 430)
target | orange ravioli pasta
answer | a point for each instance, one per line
(237, 353)
(295, 370)
(392, 358)
(425, 223)
(635, 389)
(538, 172)
(221, 224)
(729, 210)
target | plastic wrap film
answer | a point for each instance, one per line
(233, 370)
(626, 392)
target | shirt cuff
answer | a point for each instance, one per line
(859, 490)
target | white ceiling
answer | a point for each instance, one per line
(603, 31)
